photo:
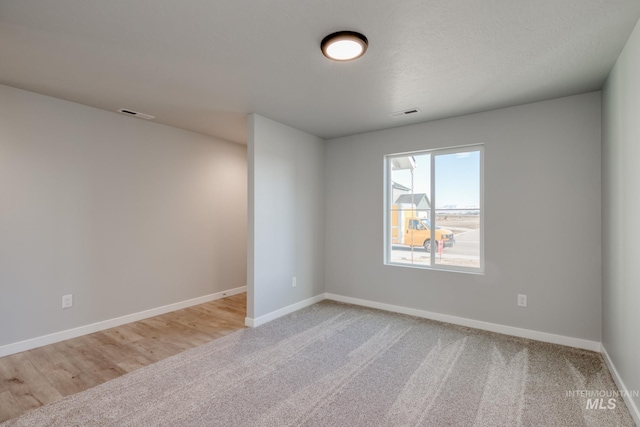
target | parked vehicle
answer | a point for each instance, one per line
(407, 229)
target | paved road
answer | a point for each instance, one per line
(467, 246)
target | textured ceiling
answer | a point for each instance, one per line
(203, 65)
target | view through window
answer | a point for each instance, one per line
(434, 209)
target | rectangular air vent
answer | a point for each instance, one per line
(404, 113)
(136, 114)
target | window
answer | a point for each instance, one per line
(435, 193)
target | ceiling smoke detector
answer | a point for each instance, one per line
(136, 114)
(404, 113)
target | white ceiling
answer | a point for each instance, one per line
(203, 65)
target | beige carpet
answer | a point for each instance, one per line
(339, 365)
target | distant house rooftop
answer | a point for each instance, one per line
(420, 200)
(399, 186)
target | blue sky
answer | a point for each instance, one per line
(457, 178)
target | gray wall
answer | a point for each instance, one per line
(621, 214)
(126, 215)
(542, 218)
(286, 216)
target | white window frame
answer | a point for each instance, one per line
(388, 203)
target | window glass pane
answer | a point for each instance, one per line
(457, 209)
(410, 208)
(434, 209)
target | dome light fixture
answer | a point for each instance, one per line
(344, 45)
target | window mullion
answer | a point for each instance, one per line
(432, 210)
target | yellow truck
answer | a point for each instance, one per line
(408, 229)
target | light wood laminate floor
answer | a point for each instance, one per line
(44, 375)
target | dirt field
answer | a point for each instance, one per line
(458, 223)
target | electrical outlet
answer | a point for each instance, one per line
(67, 301)
(522, 300)
(294, 282)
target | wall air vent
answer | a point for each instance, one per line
(404, 113)
(136, 114)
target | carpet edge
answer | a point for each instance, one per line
(471, 323)
(631, 404)
(261, 320)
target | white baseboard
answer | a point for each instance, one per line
(253, 323)
(29, 344)
(631, 404)
(477, 324)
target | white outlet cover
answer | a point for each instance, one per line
(522, 300)
(67, 301)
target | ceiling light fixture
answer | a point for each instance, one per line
(344, 45)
